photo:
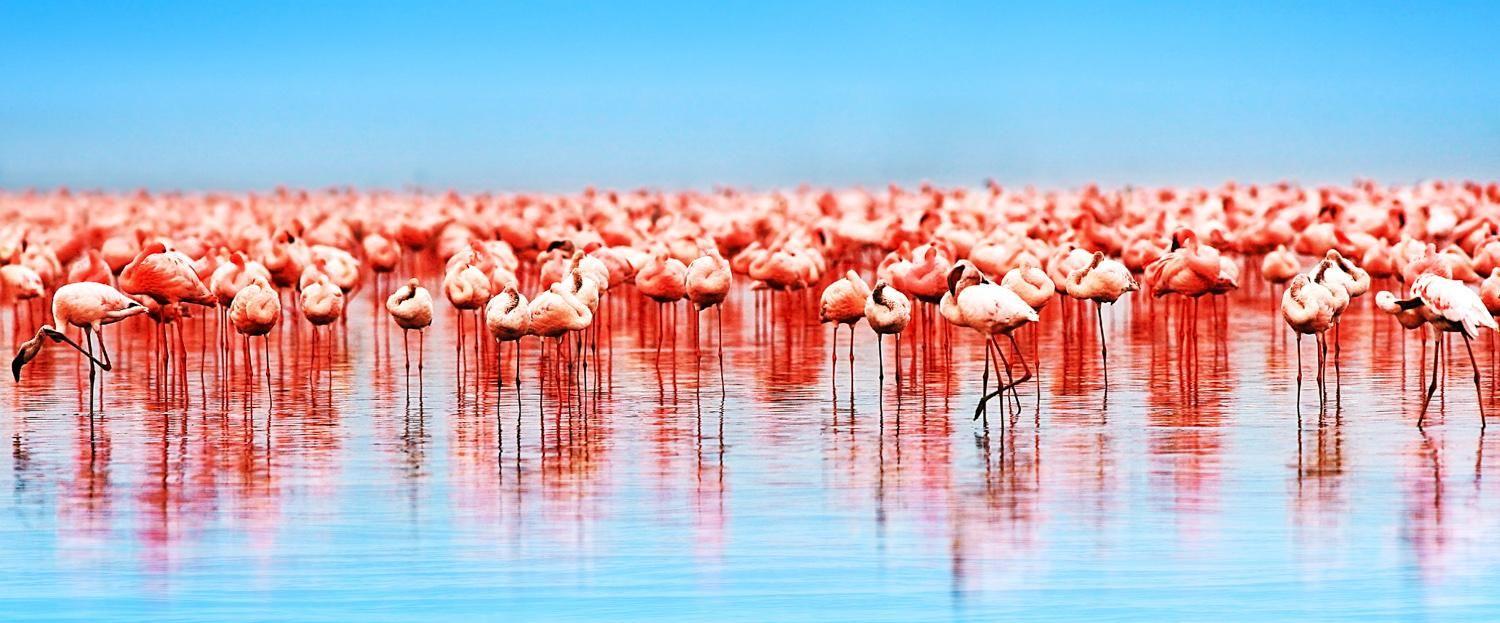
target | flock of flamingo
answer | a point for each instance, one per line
(988, 260)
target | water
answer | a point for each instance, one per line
(1191, 495)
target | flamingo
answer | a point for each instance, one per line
(1101, 281)
(1489, 291)
(90, 267)
(1342, 285)
(1280, 266)
(88, 306)
(1032, 284)
(321, 302)
(508, 318)
(20, 285)
(411, 307)
(1309, 308)
(468, 289)
(989, 309)
(708, 281)
(1450, 307)
(556, 312)
(167, 277)
(843, 302)
(255, 310)
(888, 311)
(662, 279)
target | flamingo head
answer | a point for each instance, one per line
(962, 275)
(27, 352)
(1183, 237)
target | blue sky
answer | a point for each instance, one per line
(559, 95)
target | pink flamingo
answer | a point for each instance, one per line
(88, 306)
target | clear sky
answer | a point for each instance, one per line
(555, 96)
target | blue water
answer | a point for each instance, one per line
(1189, 495)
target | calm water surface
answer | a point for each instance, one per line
(1188, 493)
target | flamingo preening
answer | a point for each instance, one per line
(254, 312)
(708, 280)
(411, 307)
(888, 311)
(1309, 308)
(843, 303)
(508, 318)
(1101, 281)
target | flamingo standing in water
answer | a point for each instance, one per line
(1101, 281)
(411, 307)
(1355, 282)
(662, 279)
(1450, 307)
(322, 304)
(508, 318)
(383, 254)
(468, 289)
(554, 313)
(88, 306)
(168, 278)
(888, 311)
(1191, 270)
(1309, 308)
(226, 281)
(843, 302)
(255, 310)
(708, 281)
(1032, 284)
(989, 309)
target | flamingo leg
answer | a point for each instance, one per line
(1103, 347)
(996, 362)
(88, 340)
(1025, 370)
(833, 358)
(1478, 395)
(851, 370)
(500, 392)
(270, 397)
(518, 397)
(984, 388)
(723, 389)
(58, 336)
(1432, 387)
(1001, 359)
(880, 367)
(1322, 353)
(1338, 349)
(897, 359)
(1299, 381)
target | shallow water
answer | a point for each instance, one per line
(1188, 493)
